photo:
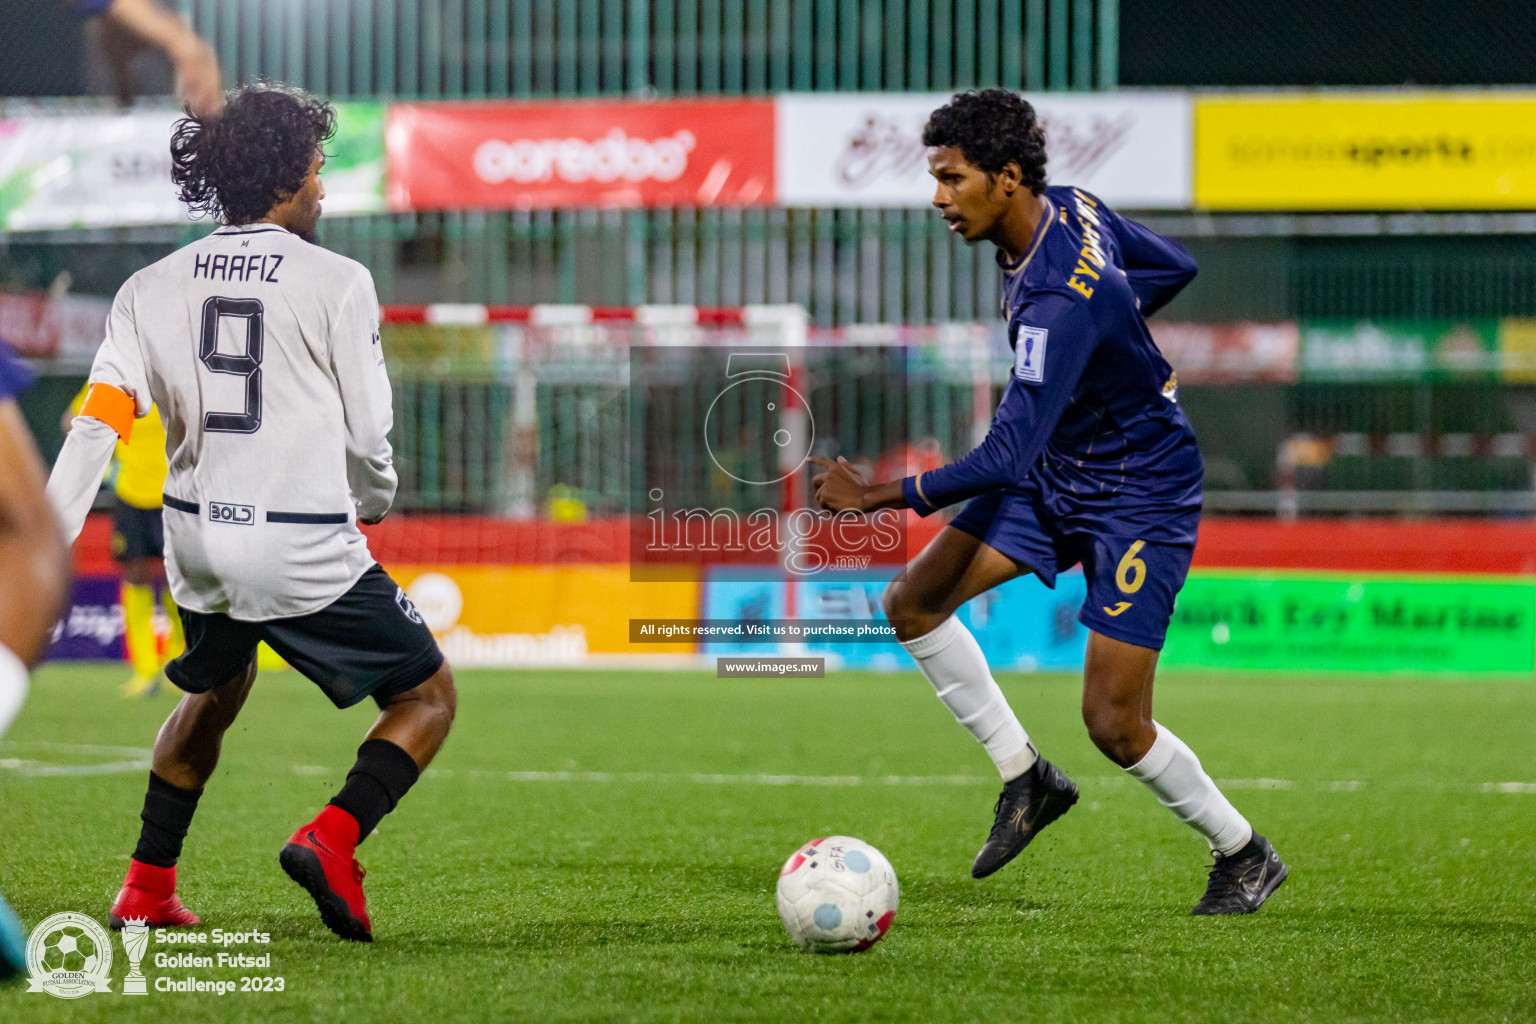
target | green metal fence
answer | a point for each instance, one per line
(896, 266)
(506, 419)
(453, 49)
(497, 420)
(843, 266)
(1441, 447)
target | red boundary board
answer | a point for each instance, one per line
(1494, 546)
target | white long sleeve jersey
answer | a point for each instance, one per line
(262, 352)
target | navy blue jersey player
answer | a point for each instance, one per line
(1088, 460)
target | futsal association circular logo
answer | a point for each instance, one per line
(69, 956)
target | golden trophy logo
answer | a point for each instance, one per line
(135, 941)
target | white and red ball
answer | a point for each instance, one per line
(837, 895)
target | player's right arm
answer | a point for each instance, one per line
(357, 360)
(119, 394)
(1038, 394)
(1028, 413)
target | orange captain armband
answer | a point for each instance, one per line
(113, 406)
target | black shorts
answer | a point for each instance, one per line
(370, 641)
(136, 533)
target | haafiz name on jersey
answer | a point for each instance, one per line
(239, 267)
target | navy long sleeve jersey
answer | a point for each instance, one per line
(1090, 419)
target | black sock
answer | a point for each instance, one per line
(167, 815)
(382, 775)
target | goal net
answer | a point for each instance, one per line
(548, 454)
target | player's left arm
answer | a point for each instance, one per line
(357, 360)
(1025, 420)
(1158, 268)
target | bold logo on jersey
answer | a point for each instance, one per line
(406, 607)
(1029, 354)
(240, 515)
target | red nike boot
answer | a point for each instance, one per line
(319, 857)
(149, 894)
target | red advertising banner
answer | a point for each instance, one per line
(606, 153)
(42, 327)
(1482, 546)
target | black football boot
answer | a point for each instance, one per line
(1026, 805)
(1240, 883)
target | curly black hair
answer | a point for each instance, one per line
(993, 128)
(240, 164)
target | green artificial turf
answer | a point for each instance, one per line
(627, 874)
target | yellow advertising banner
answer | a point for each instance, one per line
(504, 616)
(1517, 350)
(1366, 151)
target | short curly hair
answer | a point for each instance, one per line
(238, 165)
(993, 128)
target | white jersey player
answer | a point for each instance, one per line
(262, 352)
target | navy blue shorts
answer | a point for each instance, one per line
(1132, 582)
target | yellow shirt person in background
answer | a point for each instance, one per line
(138, 545)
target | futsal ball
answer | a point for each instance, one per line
(837, 895)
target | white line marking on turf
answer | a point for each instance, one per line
(78, 748)
(778, 780)
(1255, 784)
(725, 779)
(35, 768)
(766, 779)
(139, 759)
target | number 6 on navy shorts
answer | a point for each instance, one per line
(1132, 584)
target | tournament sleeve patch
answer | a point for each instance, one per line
(111, 406)
(1029, 354)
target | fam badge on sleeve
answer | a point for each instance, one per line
(1029, 354)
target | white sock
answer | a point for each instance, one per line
(13, 686)
(952, 660)
(1172, 772)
